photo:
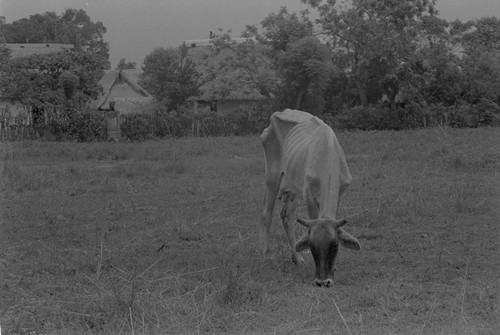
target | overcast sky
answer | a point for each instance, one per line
(136, 27)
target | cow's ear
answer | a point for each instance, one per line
(347, 240)
(302, 244)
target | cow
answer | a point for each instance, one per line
(304, 161)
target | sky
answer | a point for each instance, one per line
(137, 27)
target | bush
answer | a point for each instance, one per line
(488, 113)
(177, 124)
(463, 115)
(58, 128)
(71, 125)
(137, 126)
(246, 120)
(377, 118)
(466, 115)
(160, 123)
(86, 126)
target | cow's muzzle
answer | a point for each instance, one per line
(323, 282)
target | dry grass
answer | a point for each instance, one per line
(162, 238)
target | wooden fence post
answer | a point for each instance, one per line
(113, 122)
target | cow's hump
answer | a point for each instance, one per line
(292, 115)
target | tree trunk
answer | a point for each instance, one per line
(393, 105)
(298, 99)
(359, 72)
(362, 92)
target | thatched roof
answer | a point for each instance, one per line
(121, 86)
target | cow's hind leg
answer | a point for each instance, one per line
(272, 187)
(289, 216)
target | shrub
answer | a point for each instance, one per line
(137, 126)
(374, 118)
(58, 128)
(86, 126)
(413, 115)
(246, 120)
(466, 115)
(173, 123)
(488, 113)
(69, 125)
(463, 116)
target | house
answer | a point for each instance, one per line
(121, 95)
(122, 92)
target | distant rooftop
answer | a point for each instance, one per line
(28, 49)
(208, 41)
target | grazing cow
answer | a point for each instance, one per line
(304, 160)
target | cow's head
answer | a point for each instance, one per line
(323, 238)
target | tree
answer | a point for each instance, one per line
(305, 66)
(38, 28)
(301, 61)
(170, 76)
(4, 54)
(54, 81)
(83, 33)
(281, 29)
(366, 32)
(480, 40)
(230, 68)
(73, 26)
(123, 65)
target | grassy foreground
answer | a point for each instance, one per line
(162, 237)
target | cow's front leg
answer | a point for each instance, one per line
(289, 216)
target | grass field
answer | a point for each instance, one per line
(162, 237)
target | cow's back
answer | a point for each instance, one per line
(314, 165)
(274, 136)
(281, 124)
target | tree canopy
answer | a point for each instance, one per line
(354, 53)
(73, 26)
(229, 68)
(301, 62)
(55, 80)
(123, 65)
(170, 76)
(52, 80)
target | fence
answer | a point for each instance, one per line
(53, 125)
